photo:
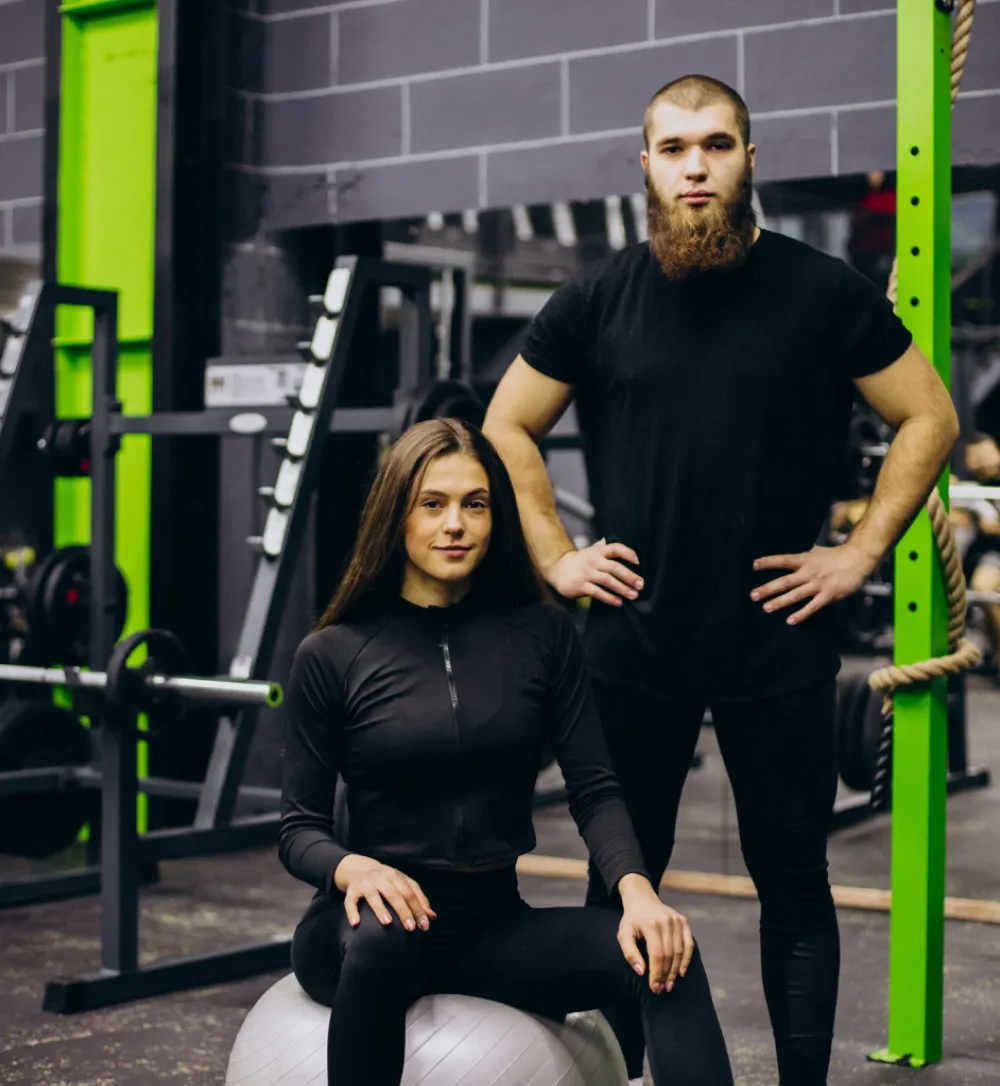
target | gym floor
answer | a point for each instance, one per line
(206, 903)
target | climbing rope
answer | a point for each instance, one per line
(962, 653)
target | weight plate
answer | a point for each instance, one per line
(854, 693)
(59, 605)
(126, 693)
(869, 732)
(35, 735)
(441, 400)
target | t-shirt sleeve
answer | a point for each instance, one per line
(868, 333)
(313, 728)
(558, 340)
(595, 797)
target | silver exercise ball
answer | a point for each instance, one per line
(450, 1039)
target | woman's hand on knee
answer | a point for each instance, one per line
(665, 932)
(382, 886)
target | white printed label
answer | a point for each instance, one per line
(253, 385)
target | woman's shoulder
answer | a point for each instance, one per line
(338, 643)
(549, 622)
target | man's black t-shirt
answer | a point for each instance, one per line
(714, 413)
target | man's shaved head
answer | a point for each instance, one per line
(694, 92)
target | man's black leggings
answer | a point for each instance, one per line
(487, 942)
(780, 755)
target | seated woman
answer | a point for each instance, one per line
(430, 684)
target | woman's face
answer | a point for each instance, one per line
(448, 529)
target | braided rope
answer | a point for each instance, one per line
(960, 44)
(962, 653)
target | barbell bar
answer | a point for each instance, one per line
(972, 596)
(219, 691)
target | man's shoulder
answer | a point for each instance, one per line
(622, 264)
(611, 270)
(800, 256)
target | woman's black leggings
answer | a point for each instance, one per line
(487, 942)
(780, 755)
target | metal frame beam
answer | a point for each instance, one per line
(920, 738)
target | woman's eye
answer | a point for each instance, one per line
(431, 503)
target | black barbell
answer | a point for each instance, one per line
(41, 814)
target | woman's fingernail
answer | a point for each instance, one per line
(386, 918)
(639, 584)
(670, 986)
(632, 595)
(409, 925)
(755, 595)
(638, 968)
(424, 925)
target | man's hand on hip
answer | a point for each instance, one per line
(821, 576)
(594, 572)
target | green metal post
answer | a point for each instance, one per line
(106, 239)
(920, 755)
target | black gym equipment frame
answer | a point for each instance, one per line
(312, 416)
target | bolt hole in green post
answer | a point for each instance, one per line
(920, 747)
(914, 150)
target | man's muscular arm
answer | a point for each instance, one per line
(524, 408)
(911, 398)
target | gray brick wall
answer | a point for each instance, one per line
(22, 99)
(382, 108)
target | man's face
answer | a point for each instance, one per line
(696, 159)
(698, 182)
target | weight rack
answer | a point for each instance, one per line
(299, 429)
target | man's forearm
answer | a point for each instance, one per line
(543, 530)
(912, 467)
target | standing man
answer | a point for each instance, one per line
(714, 371)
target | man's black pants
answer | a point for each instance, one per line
(780, 755)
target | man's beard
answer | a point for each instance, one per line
(688, 241)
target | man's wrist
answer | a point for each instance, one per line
(547, 567)
(870, 553)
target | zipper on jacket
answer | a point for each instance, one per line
(453, 695)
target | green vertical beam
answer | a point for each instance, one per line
(920, 749)
(106, 239)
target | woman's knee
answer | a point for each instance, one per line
(325, 947)
(377, 948)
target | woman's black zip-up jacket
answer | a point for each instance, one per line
(435, 718)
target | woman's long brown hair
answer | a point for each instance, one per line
(374, 573)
